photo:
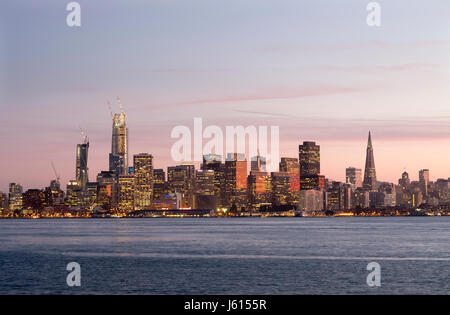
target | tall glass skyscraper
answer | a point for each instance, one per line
(81, 172)
(118, 158)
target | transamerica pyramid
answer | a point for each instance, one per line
(370, 176)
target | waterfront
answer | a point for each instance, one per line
(226, 256)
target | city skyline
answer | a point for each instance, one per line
(120, 126)
(308, 164)
(318, 72)
(223, 186)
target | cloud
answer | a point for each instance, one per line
(275, 94)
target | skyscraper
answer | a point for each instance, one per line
(258, 189)
(3, 201)
(370, 176)
(235, 176)
(143, 171)
(126, 184)
(258, 163)
(81, 172)
(309, 158)
(214, 162)
(205, 196)
(353, 176)
(309, 162)
(424, 179)
(404, 182)
(15, 196)
(280, 186)
(118, 158)
(292, 167)
(159, 183)
(73, 193)
(181, 179)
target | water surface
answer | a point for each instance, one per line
(226, 256)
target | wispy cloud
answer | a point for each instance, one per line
(276, 94)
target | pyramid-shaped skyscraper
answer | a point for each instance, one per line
(370, 176)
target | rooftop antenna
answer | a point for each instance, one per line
(120, 104)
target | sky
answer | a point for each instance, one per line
(313, 68)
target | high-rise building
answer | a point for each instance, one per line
(280, 185)
(390, 194)
(370, 177)
(353, 176)
(309, 158)
(126, 184)
(214, 162)
(159, 183)
(417, 197)
(143, 171)
(424, 180)
(309, 163)
(3, 201)
(292, 167)
(361, 198)
(258, 188)
(91, 195)
(404, 182)
(339, 196)
(204, 182)
(54, 196)
(205, 197)
(81, 172)
(181, 179)
(33, 199)
(118, 158)
(258, 163)
(15, 196)
(311, 200)
(107, 190)
(73, 193)
(336, 196)
(235, 191)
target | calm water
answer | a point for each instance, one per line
(226, 256)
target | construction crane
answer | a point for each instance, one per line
(56, 173)
(110, 110)
(120, 104)
(84, 138)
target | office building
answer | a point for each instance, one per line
(127, 186)
(143, 173)
(353, 176)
